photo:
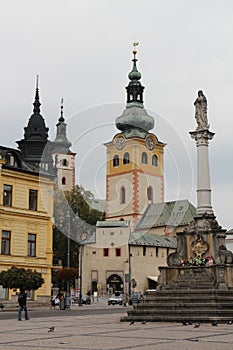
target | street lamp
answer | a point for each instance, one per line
(80, 275)
(68, 259)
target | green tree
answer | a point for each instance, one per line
(21, 278)
(76, 203)
(79, 199)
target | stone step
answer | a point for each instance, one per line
(186, 304)
(183, 312)
(177, 318)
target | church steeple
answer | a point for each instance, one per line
(35, 146)
(61, 143)
(36, 129)
(134, 121)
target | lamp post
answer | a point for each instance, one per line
(67, 301)
(80, 275)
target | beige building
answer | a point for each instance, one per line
(115, 259)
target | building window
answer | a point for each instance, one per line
(64, 162)
(154, 160)
(32, 199)
(156, 251)
(31, 244)
(144, 158)
(150, 194)
(6, 240)
(118, 251)
(122, 195)
(10, 160)
(63, 181)
(144, 250)
(116, 160)
(7, 195)
(105, 252)
(126, 158)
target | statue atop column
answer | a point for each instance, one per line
(201, 111)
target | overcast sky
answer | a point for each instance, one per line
(82, 51)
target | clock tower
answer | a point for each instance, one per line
(135, 164)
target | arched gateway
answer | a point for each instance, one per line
(115, 283)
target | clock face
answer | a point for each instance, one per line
(150, 143)
(120, 143)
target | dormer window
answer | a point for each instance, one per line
(65, 162)
(10, 160)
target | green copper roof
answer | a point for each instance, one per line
(150, 239)
(134, 121)
(173, 213)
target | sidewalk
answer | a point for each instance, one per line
(106, 332)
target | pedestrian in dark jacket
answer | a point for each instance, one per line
(22, 300)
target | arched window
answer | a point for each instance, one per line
(150, 194)
(115, 160)
(122, 195)
(154, 160)
(64, 162)
(126, 158)
(144, 158)
(63, 181)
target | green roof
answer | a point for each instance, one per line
(175, 213)
(150, 239)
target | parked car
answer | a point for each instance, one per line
(135, 298)
(116, 298)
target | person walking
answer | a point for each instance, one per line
(22, 300)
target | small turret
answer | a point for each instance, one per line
(61, 143)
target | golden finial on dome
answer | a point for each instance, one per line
(135, 43)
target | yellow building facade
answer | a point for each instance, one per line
(135, 176)
(26, 220)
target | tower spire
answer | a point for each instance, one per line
(61, 119)
(61, 143)
(134, 120)
(36, 104)
(134, 89)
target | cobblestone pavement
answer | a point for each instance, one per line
(100, 332)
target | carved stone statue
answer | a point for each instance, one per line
(201, 111)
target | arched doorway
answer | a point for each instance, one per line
(115, 283)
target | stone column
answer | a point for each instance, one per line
(202, 138)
